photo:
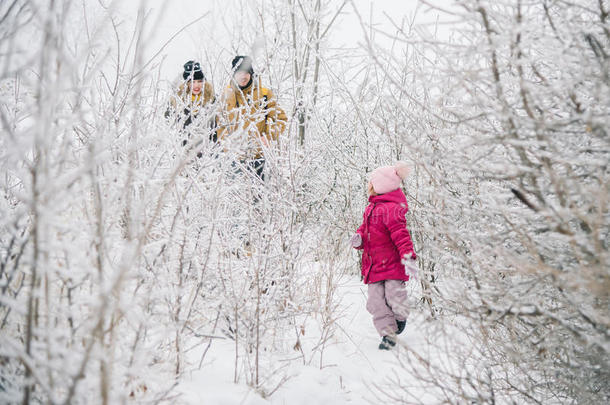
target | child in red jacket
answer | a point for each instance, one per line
(388, 258)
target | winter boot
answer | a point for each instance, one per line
(401, 326)
(387, 342)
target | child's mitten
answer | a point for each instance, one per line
(410, 267)
(356, 240)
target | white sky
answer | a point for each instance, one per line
(169, 16)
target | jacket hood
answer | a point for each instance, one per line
(396, 196)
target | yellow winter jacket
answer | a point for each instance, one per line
(250, 115)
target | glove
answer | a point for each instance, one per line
(356, 240)
(410, 267)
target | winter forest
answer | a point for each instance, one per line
(139, 264)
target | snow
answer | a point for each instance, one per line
(118, 268)
(352, 363)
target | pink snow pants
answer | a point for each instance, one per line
(387, 303)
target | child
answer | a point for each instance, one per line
(388, 258)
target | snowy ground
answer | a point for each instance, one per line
(352, 363)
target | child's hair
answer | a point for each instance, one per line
(388, 178)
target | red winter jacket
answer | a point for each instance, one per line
(385, 238)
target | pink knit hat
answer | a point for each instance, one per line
(388, 178)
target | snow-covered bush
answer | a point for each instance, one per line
(508, 119)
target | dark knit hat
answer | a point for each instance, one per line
(192, 70)
(241, 62)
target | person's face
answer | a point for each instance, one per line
(242, 77)
(196, 86)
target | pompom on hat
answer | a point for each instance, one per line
(388, 178)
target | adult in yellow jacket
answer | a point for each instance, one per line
(193, 101)
(249, 118)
